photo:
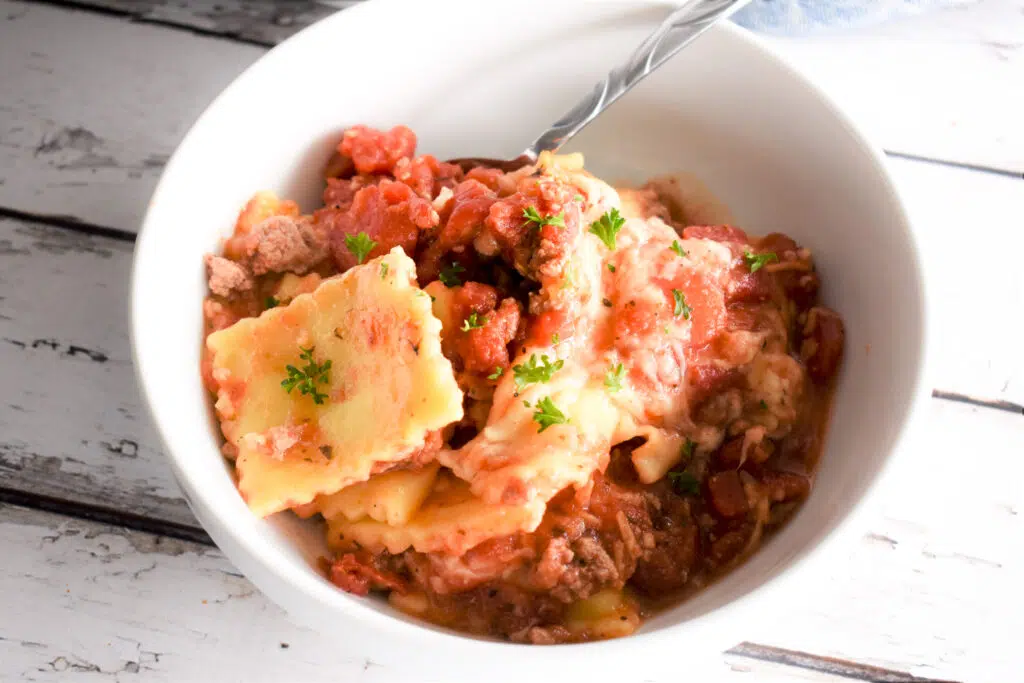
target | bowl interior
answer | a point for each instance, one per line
(724, 109)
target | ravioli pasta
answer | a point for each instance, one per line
(388, 386)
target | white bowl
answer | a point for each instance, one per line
(474, 82)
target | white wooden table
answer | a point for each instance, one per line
(106, 576)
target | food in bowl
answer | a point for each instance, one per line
(526, 405)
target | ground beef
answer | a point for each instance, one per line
(227, 278)
(283, 244)
(538, 252)
(359, 572)
(822, 346)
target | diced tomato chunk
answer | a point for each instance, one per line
(389, 213)
(374, 151)
(426, 175)
(487, 176)
(483, 348)
(727, 495)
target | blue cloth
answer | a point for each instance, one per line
(808, 17)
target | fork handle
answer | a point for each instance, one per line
(678, 29)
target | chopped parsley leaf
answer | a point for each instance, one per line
(607, 227)
(308, 377)
(611, 268)
(473, 322)
(555, 338)
(531, 215)
(271, 302)
(498, 372)
(687, 450)
(360, 245)
(383, 270)
(764, 404)
(758, 261)
(684, 483)
(546, 414)
(613, 378)
(681, 308)
(449, 276)
(678, 248)
(531, 371)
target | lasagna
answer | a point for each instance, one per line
(527, 404)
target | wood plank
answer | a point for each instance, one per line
(63, 149)
(63, 334)
(945, 85)
(950, 93)
(915, 598)
(968, 225)
(258, 22)
(71, 423)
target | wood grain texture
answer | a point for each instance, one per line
(253, 21)
(71, 422)
(65, 151)
(970, 253)
(945, 85)
(132, 606)
(913, 600)
(72, 144)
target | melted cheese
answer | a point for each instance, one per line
(660, 453)
(388, 385)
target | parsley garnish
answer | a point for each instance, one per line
(473, 322)
(678, 248)
(684, 483)
(607, 227)
(681, 309)
(449, 277)
(613, 378)
(764, 404)
(308, 377)
(531, 215)
(687, 450)
(546, 414)
(360, 245)
(578, 198)
(758, 261)
(530, 371)
(498, 372)
(270, 302)
(383, 270)
(555, 338)
(611, 268)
